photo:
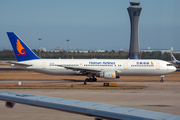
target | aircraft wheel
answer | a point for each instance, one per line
(91, 80)
(162, 77)
(94, 79)
(87, 80)
(85, 83)
(161, 80)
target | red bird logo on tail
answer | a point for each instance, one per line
(20, 48)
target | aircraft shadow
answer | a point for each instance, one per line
(72, 80)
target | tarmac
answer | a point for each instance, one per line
(159, 97)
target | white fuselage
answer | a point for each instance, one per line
(122, 67)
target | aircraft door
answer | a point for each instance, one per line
(43, 65)
(125, 65)
(157, 66)
(80, 64)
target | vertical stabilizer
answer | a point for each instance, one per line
(21, 50)
(173, 58)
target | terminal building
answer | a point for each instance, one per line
(171, 50)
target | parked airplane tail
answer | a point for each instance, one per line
(21, 50)
(173, 58)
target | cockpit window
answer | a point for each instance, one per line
(169, 64)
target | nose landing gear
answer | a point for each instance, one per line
(162, 77)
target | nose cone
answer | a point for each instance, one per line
(172, 69)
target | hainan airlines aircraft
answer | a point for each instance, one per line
(105, 68)
(174, 61)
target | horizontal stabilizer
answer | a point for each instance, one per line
(20, 64)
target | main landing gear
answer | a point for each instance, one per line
(91, 79)
(162, 77)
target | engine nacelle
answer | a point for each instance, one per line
(108, 74)
(9, 104)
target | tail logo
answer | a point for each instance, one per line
(112, 75)
(20, 48)
(172, 58)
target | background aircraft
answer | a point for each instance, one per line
(105, 68)
(174, 61)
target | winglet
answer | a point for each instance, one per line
(21, 50)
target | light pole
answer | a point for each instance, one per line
(39, 47)
(67, 49)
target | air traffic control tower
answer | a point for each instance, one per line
(134, 14)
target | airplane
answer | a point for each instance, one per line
(92, 68)
(174, 61)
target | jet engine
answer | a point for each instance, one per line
(108, 75)
(9, 104)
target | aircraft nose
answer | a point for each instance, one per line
(173, 69)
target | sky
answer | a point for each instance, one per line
(89, 24)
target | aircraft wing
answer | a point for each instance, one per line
(82, 69)
(100, 111)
